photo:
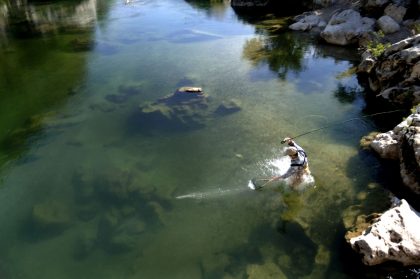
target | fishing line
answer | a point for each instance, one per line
(209, 194)
(341, 122)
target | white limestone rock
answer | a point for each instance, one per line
(386, 145)
(394, 237)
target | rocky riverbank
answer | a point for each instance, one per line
(386, 32)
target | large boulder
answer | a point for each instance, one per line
(394, 75)
(403, 144)
(345, 27)
(395, 236)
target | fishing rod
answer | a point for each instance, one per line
(341, 122)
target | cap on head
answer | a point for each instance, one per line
(291, 151)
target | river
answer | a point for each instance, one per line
(89, 189)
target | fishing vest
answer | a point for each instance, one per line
(303, 153)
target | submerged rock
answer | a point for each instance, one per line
(125, 237)
(267, 270)
(228, 107)
(394, 236)
(186, 108)
(50, 216)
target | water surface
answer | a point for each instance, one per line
(90, 190)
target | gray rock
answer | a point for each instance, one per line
(396, 12)
(388, 25)
(346, 27)
(306, 22)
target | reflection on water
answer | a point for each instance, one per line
(25, 19)
(89, 191)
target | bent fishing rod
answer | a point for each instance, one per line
(341, 122)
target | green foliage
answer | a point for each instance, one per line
(376, 47)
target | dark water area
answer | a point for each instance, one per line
(107, 172)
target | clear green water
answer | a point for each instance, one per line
(89, 191)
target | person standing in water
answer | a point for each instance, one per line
(298, 173)
(299, 166)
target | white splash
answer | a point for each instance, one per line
(279, 166)
(251, 185)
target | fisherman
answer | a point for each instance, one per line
(299, 166)
(298, 176)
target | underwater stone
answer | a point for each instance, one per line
(158, 210)
(187, 108)
(126, 236)
(350, 214)
(124, 93)
(216, 263)
(87, 212)
(116, 99)
(323, 256)
(268, 270)
(361, 223)
(85, 243)
(115, 186)
(130, 90)
(228, 107)
(108, 223)
(367, 140)
(83, 188)
(51, 215)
